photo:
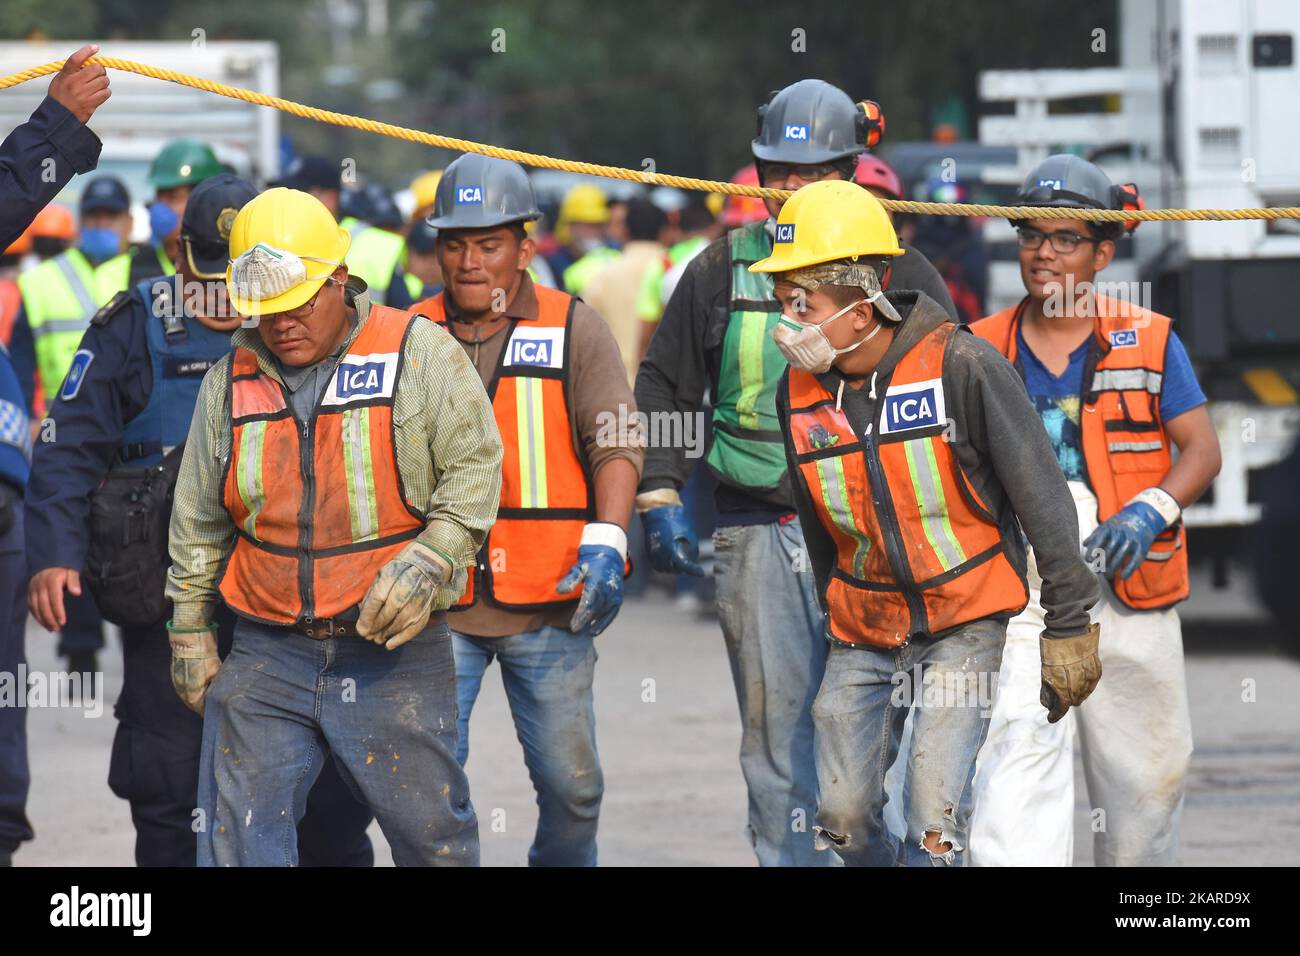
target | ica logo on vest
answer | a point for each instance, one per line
(469, 195)
(1123, 338)
(918, 405)
(793, 131)
(540, 348)
(357, 380)
(785, 232)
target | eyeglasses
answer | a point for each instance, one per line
(1063, 242)
(780, 172)
(306, 309)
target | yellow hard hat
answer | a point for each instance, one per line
(424, 188)
(829, 220)
(584, 203)
(284, 244)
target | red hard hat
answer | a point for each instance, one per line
(877, 174)
(742, 210)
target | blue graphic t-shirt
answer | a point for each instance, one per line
(1056, 398)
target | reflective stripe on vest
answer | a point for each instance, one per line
(319, 506)
(917, 552)
(547, 496)
(1118, 416)
(746, 447)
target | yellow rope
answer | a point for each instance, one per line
(642, 176)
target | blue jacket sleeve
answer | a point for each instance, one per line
(22, 349)
(37, 160)
(71, 457)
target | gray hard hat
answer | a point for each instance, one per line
(809, 122)
(1070, 182)
(478, 192)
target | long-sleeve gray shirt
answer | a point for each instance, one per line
(1001, 447)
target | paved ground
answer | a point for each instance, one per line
(674, 794)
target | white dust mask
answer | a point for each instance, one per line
(807, 348)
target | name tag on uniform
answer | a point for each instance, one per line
(912, 406)
(1124, 338)
(540, 348)
(362, 378)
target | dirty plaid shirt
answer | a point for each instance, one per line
(452, 471)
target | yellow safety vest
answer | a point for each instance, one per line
(59, 301)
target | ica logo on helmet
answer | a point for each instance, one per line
(795, 131)
(1054, 183)
(469, 195)
(785, 232)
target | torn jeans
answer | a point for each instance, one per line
(859, 712)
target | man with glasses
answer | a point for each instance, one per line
(342, 470)
(1116, 393)
(716, 335)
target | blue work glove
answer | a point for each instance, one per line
(1125, 538)
(600, 572)
(671, 541)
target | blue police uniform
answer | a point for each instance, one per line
(129, 397)
(15, 457)
(37, 160)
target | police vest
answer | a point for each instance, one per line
(373, 255)
(178, 362)
(125, 271)
(1125, 448)
(547, 496)
(747, 448)
(917, 551)
(15, 435)
(59, 299)
(318, 506)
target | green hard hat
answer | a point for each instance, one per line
(183, 162)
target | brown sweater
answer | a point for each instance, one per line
(598, 386)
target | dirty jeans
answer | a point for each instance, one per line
(1135, 731)
(776, 642)
(388, 718)
(860, 711)
(547, 675)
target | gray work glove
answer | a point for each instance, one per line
(195, 662)
(398, 604)
(1071, 669)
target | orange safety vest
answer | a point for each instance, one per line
(547, 496)
(11, 299)
(1125, 449)
(318, 505)
(917, 550)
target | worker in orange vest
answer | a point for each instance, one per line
(549, 578)
(916, 458)
(341, 470)
(1116, 393)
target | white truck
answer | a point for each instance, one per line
(144, 113)
(1203, 112)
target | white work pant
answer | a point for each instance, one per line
(1135, 731)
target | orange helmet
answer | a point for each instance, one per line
(54, 222)
(742, 210)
